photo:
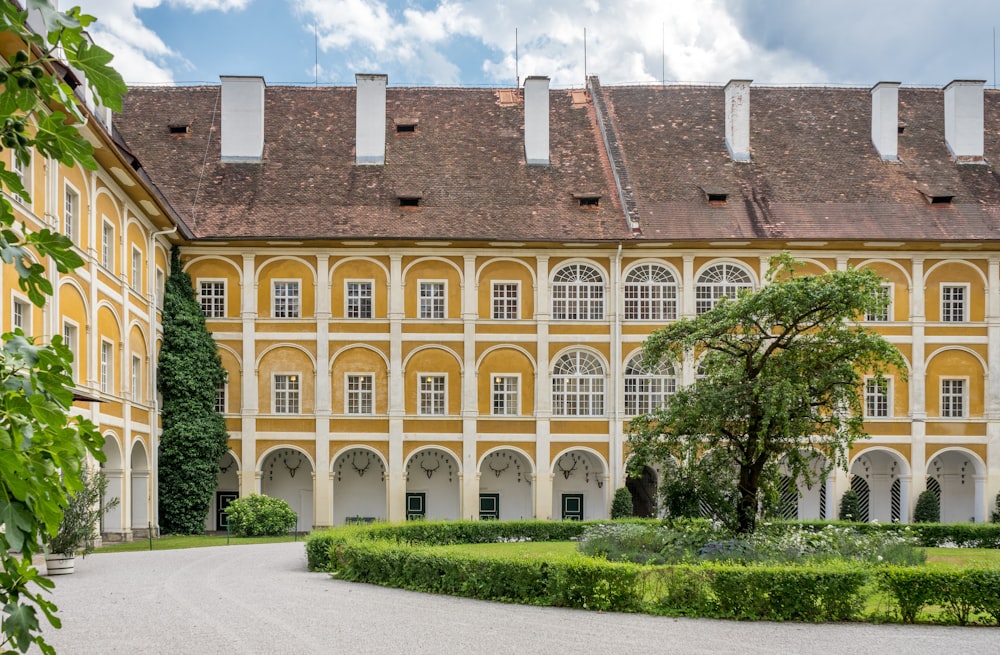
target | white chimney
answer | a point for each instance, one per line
(370, 123)
(242, 118)
(738, 119)
(536, 120)
(963, 119)
(885, 119)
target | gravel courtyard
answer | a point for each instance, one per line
(261, 599)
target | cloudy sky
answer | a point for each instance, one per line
(472, 42)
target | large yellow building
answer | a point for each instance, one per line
(430, 301)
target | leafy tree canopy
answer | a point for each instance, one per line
(783, 369)
(42, 447)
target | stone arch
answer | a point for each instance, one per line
(961, 481)
(360, 492)
(579, 475)
(363, 360)
(433, 269)
(509, 270)
(879, 467)
(300, 362)
(499, 362)
(952, 363)
(506, 480)
(288, 472)
(805, 500)
(433, 359)
(113, 469)
(433, 483)
(141, 487)
(227, 489)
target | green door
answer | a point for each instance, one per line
(572, 507)
(416, 506)
(489, 507)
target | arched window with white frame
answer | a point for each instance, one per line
(650, 294)
(720, 281)
(577, 293)
(647, 389)
(578, 385)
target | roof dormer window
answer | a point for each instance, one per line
(177, 129)
(939, 197)
(588, 199)
(715, 195)
(409, 201)
(406, 126)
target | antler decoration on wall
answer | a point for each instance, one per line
(360, 470)
(225, 469)
(292, 469)
(567, 472)
(428, 471)
(499, 471)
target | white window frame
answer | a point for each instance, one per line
(289, 393)
(71, 339)
(507, 398)
(107, 365)
(948, 396)
(708, 293)
(108, 244)
(216, 303)
(947, 303)
(23, 172)
(136, 377)
(578, 299)
(161, 285)
(20, 313)
(137, 267)
(430, 398)
(357, 398)
(646, 390)
(357, 302)
(888, 290)
(579, 393)
(503, 302)
(431, 306)
(878, 399)
(649, 298)
(286, 311)
(222, 398)
(71, 212)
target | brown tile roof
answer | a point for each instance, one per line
(465, 161)
(814, 172)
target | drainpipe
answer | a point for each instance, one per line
(616, 364)
(154, 429)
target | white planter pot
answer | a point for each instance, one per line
(56, 564)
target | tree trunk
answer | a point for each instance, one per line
(746, 509)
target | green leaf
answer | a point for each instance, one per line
(106, 82)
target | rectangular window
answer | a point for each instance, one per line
(431, 300)
(432, 399)
(953, 398)
(953, 303)
(286, 394)
(505, 302)
(107, 361)
(220, 398)
(23, 172)
(136, 378)
(20, 316)
(505, 395)
(877, 398)
(107, 246)
(159, 288)
(286, 299)
(71, 214)
(136, 269)
(359, 300)
(70, 339)
(360, 394)
(212, 297)
(884, 314)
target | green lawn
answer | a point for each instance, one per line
(173, 542)
(963, 556)
(526, 549)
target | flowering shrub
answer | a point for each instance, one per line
(258, 516)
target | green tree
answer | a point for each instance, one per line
(928, 509)
(621, 505)
(783, 367)
(850, 506)
(43, 448)
(194, 434)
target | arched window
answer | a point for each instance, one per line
(720, 281)
(645, 389)
(577, 294)
(578, 385)
(650, 294)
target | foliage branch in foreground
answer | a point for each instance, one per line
(783, 373)
(42, 447)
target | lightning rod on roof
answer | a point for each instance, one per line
(316, 51)
(517, 71)
(585, 56)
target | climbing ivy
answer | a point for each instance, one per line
(194, 434)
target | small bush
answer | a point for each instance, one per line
(260, 516)
(850, 506)
(687, 592)
(996, 509)
(928, 509)
(621, 506)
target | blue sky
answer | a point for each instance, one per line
(472, 42)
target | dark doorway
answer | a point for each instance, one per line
(489, 507)
(643, 490)
(222, 500)
(416, 506)
(572, 507)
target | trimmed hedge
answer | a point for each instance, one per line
(931, 535)
(404, 556)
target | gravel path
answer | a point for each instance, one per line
(261, 599)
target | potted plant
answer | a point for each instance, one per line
(78, 531)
